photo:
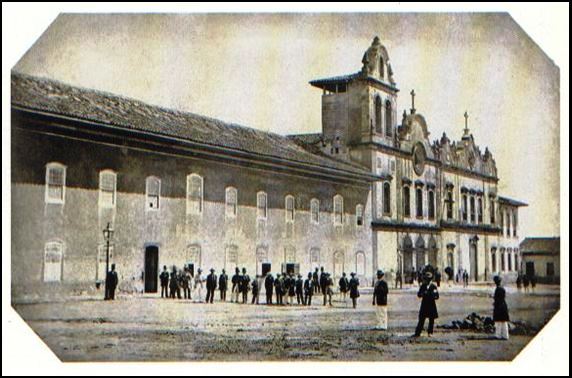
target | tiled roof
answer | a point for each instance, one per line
(54, 97)
(540, 245)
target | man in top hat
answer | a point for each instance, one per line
(308, 289)
(316, 281)
(255, 290)
(428, 294)
(111, 281)
(380, 292)
(353, 287)
(300, 290)
(235, 285)
(344, 286)
(174, 284)
(291, 289)
(244, 284)
(211, 286)
(164, 278)
(223, 285)
(500, 311)
(278, 288)
(186, 282)
(269, 287)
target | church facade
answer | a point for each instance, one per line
(369, 192)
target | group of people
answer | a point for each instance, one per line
(526, 281)
(289, 289)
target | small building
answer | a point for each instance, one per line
(541, 258)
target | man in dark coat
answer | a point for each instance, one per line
(328, 289)
(278, 288)
(380, 292)
(174, 287)
(185, 282)
(533, 282)
(255, 290)
(164, 278)
(223, 285)
(519, 282)
(398, 279)
(354, 289)
(428, 294)
(111, 282)
(316, 281)
(437, 277)
(300, 290)
(211, 286)
(269, 287)
(344, 286)
(244, 283)
(526, 282)
(324, 284)
(291, 289)
(235, 286)
(500, 311)
(308, 289)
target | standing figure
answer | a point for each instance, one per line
(164, 278)
(465, 278)
(291, 289)
(244, 284)
(354, 289)
(255, 290)
(323, 284)
(300, 290)
(428, 294)
(519, 282)
(174, 284)
(533, 282)
(223, 285)
(500, 311)
(380, 292)
(526, 282)
(111, 281)
(235, 286)
(437, 277)
(199, 282)
(344, 286)
(278, 289)
(185, 283)
(316, 281)
(308, 289)
(269, 287)
(329, 288)
(398, 279)
(211, 286)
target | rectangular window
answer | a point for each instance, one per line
(153, 189)
(450, 202)
(315, 211)
(473, 217)
(231, 202)
(406, 202)
(338, 210)
(107, 189)
(261, 205)
(194, 194)
(55, 183)
(289, 208)
(359, 215)
(480, 210)
(431, 204)
(464, 209)
(493, 211)
(419, 202)
(386, 199)
(514, 224)
(550, 269)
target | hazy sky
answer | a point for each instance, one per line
(254, 69)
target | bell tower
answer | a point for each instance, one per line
(361, 107)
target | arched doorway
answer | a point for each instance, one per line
(407, 249)
(193, 258)
(474, 275)
(151, 268)
(338, 264)
(420, 252)
(433, 252)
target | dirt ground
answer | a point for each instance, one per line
(147, 328)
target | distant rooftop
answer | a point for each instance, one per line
(540, 245)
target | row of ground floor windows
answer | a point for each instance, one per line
(54, 260)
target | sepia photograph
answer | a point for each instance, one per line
(284, 187)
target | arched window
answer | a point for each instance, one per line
(194, 255)
(508, 223)
(194, 194)
(386, 198)
(378, 116)
(231, 202)
(315, 210)
(338, 209)
(261, 205)
(419, 202)
(360, 263)
(406, 202)
(231, 257)
(473, 217)
(431, 204)
(465, 208)
(514, 223)
(55, 183)
(503, 260)
(339, 259)
(388, 118)
(381, 68)
(359, 215)
(480, 210)
(289, 254)
(493, 211)
(509, 258)
(107, 188)
(450, 202)
(289, 207)
(53, 261)
(153, 192)
(494, 259)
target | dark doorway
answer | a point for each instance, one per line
(530, 268)
(191, 268)
(290, 268)
(266, 268)
(473, 258)
(151, 268)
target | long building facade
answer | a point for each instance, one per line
(370, 191)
